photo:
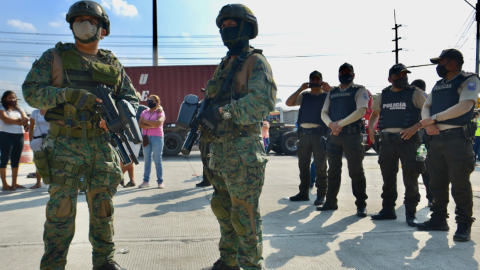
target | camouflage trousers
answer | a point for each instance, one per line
(102, 173)
(238, 180)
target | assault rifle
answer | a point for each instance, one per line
(188, 116)
(120, 118)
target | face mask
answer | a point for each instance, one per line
(85, 32)
(314, 85)
(151, 104)
(400, 83)
(442, 71)
(230, 34)
(11, 103)
(345, 79)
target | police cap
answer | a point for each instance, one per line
(453, 53)
(316, 73)
(397, 68)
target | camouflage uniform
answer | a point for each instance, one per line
(237, 157)
(69, 154)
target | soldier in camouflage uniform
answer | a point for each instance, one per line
(240, 94)
(61, 81)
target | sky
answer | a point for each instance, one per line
(297, 36)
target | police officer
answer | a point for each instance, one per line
(241, 92)
(343, 110)
(398, 108)
(425, 175)
(447, 118)
(311, 131)
(62, 81)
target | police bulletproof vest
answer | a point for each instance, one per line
(342, 104)
(397, 109)
(218, 98)
(445, 95)
(81, 73)
(311, 109)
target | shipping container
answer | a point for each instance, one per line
(171, 84)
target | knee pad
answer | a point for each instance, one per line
(62, 204)
(239, 229)
(218, 209)
(101, 205)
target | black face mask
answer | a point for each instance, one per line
(11, 103)
(230, 34)
(314, 85)
(151, 104)
(400, 83)
(345, 79)
(442, 71)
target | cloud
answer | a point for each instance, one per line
(22, 25)
(25, 61)
(55, 24)
(120, 7)
(186, 35)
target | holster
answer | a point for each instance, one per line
(376, 145)
(469, 130)
(41, 160)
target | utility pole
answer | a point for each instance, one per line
(478, 36)
(396, 37)
(155, 35)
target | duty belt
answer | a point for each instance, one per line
(349, 129)
(317, 130)
(389, 138)
(449, 133)
(56, 130)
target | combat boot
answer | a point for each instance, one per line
(435, 223)
(109, 266)
(327, 206)
(300, 197)
(463, 232)
(411, 219)
(219, 265)
(385, 214)
(320, 200)
(204, 183)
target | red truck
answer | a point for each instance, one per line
(171, 84)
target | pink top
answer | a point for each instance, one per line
(265, 127)
(152, 117)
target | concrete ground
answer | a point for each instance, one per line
(174, 228)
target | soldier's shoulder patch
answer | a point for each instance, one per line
(471, 86)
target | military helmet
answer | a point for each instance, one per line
(91, 8)
(238, 11)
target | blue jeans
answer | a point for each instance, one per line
(266, 142)
(156, 148)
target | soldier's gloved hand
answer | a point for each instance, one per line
(210, 118)
(81, 99)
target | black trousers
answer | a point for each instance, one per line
(308, 144)
(11, 147)
(352, 146)
(451, 160)
(392, 150)
(426, 181)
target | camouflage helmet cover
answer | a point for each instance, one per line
(90, 8)
(238, 11)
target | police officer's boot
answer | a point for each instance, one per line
(385, 214)
(300, 197)
(109, 266)
(327, 206)
(219, 265)
(320, 199)
(435, 223)
(411, 219)
(463, 232)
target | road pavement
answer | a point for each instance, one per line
(174, 228)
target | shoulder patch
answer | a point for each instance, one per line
(472, 86)
(425, 95)
(365, 96)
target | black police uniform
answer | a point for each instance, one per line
(399, 111)
(350, 142)
(450, 155)
(310, 140)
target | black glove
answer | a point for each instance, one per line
(210, 118)
(81, 99)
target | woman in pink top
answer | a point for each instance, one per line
(152, 123)
(265, 134)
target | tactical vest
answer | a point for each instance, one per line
(342, 104)
(397, 109)
(81, 73)
(445, 95)
(218, 98)
(311, 109)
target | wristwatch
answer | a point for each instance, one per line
(434, 118)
